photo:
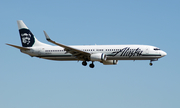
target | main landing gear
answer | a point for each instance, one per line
(84, 63)
(91, 65)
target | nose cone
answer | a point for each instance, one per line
(163, 53)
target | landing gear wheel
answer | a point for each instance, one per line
(84, 63)
(150, 64)
(91, 65)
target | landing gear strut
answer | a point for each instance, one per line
(84, 63)
(91, 65)
(156, 59)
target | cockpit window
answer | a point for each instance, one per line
(156, 49)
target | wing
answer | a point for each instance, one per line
(75, 52)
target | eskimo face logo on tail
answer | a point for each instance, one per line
(27, 38)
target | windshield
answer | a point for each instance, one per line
(156, 49)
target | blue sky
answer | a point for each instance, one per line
(38, 83)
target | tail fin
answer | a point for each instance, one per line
(27, 38)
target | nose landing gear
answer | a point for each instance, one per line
(150, 64)
(152, 61)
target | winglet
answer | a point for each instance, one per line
(47, 37)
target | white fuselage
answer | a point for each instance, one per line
(113, 52)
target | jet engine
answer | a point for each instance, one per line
(110, 62)
(98, 57)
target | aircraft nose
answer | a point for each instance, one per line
(163, 53)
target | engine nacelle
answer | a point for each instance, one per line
(110, 62)
(98, 57)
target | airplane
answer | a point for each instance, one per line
(105, 54)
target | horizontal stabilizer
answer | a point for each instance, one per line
(18, 47)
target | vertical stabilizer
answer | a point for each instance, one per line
(27, 38)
